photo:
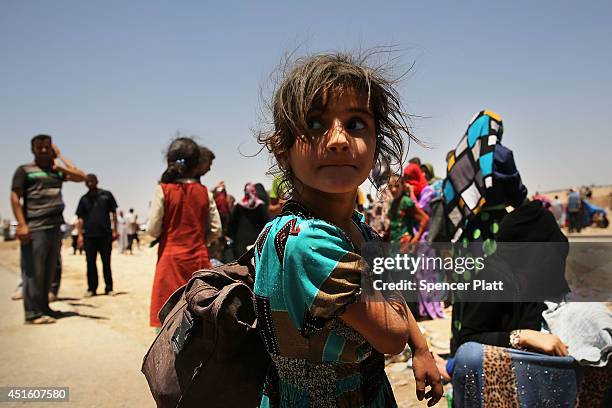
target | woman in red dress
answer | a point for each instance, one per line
(184, 219)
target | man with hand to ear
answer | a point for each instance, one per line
(36, 200)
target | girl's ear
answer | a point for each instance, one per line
(283, 161)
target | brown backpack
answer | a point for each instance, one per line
(209, 352)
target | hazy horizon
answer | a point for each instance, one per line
(112, 82)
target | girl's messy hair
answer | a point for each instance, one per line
(303, 84)
(183, 157)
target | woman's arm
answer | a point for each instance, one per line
(499, 338)
(488, 322)
(422, 218)
(546, 343)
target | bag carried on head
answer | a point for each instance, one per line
(209, 352)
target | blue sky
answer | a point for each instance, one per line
(113, 81)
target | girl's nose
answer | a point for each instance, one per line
(338, 138)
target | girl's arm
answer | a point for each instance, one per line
(213, 227)
(384, 325)
(156, 215)
(328, 278)
(388, 325)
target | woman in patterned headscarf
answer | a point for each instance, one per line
(482, 181)
(491, 365)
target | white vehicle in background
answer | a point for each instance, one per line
(9, 230)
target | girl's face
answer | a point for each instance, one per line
(341, 154)
(405, 183)
(203, 168)
(396, 188)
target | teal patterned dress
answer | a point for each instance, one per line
(307, 273)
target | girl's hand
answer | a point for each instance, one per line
(543, 342)
(426, 374)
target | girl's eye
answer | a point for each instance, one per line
(355, 124)
(314, 124)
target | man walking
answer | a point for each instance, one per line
(574, 206)
(36, 200)
(131, 226)
(557, 209)
(122, 239)
(95, 210)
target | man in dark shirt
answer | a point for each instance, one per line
(39, 217)
(94, 211)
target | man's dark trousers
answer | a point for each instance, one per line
(93, 246)
(574, 221)
(39, 263)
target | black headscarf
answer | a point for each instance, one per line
(531, 242)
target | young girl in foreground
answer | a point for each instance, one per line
(333, 119)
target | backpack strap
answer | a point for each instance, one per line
(295, 208)
(245, 258)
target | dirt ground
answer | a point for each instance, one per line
(98, 350)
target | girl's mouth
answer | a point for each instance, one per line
(337, 166)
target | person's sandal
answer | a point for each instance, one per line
(41, 320)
